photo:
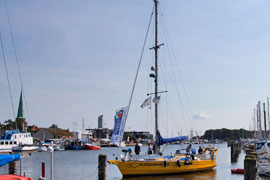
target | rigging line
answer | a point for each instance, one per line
(178, 69)
(178, 94)
(137, 72)
(16, 57)
(179, 98)
(4, 58)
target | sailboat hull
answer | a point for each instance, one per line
(158, 167)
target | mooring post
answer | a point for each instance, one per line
(12, 167)
(43, 169)
(250, 169)
(52, 165)
(233, 149)
(21, 159)
(102, 163)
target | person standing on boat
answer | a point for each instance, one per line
(200, 150)
(149, 151)
(137, 149)
(188, 149)
(154, 148)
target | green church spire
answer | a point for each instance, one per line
(20, 109)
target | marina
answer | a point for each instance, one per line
(110, 100)
(83, 165)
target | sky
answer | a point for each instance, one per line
(78, 60)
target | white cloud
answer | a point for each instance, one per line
(200, 115)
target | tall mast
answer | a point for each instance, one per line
(156, 65)
(157, 143)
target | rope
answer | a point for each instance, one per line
(180, 74)
(16, 57)
(137, 72)
(4, 58)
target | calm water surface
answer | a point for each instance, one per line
(82, 165)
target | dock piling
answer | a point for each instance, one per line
(235, 150)
(102, 163)
(250, 169)
(12, 167)
(43, 169)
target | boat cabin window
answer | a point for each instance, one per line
(15, 136)
(6, 142)
(2, 142)
(15, 142)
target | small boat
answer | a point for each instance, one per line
(88, 146)
(50, 148)
(75, 145)
(237, 171)
(42, 149)
(22, 148)
(13, 177)
(58, 148)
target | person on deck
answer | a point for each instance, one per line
(188, 149)
(149, 151)
(154, 148)
(137, 149)
(200, 150)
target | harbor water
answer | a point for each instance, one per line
(82, 165)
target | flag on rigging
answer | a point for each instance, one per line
(156, 100)
(119, 125)
(146, 102)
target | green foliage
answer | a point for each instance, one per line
(9, 124)
(130, 135)
(53, 126)
(227, 134)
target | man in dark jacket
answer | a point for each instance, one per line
(137, 149)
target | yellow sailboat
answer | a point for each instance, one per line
(175, 164)
(155, 165)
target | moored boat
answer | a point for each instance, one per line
(237, 171)
(75, 145)
(88, 146)
(14, 138)
(24, 148)
(13, 177)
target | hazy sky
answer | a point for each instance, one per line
(78, 60)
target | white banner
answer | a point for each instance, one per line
(119, 125)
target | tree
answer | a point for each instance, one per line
(10, 124)
(53, 126)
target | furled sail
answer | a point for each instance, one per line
(6, 158)
(170, 140)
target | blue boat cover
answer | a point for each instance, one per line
(6, 158)
(9, 134)
(170, 140)
(127, 150)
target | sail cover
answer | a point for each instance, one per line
(119, 125)
(171, 140)
(6, 158)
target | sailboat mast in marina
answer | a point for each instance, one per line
(157, 164)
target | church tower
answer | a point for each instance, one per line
(21, 123)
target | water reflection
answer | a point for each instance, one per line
(205, 175)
